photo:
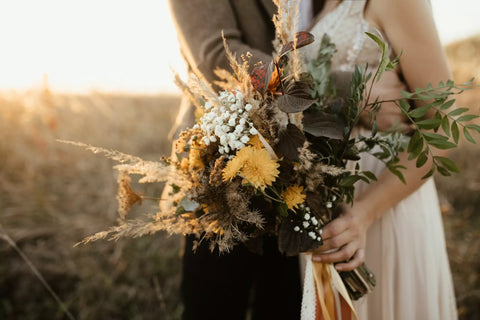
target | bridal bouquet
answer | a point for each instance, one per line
(272, 151)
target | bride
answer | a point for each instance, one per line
(395, 228)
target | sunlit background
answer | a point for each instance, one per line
(124, 45)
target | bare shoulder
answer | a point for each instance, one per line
(410, 28)
(402, 18)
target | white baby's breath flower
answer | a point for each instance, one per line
(227, 123)
(223, 139)
(306, 224)
(245, 139)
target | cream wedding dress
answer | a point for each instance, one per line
(406, 247)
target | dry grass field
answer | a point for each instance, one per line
(52, 195)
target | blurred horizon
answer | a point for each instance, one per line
(124, 46)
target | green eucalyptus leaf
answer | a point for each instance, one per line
(429, 136)
(416, 149)
(447, 163)
(414, 141)
(422, 159)
(419, 112)
(446, 126)
(404, 105)
(447, 104)
(475, 127)
(442, 144)
(374, 128)
(467, 117)
(370, 175)
(384, 61)
(455, 131)
(398, 173)
(430, 172)
(406, 94)
(467, 135)
(282, 209)
(443, 171)
(429, 123)
(350, 180)
(457, 112)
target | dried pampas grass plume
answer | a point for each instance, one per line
(241, 71)
(126, 197)
(183, 86)
(286, 21)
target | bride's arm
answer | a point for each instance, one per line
(409, 26)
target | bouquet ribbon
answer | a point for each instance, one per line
(324, 294)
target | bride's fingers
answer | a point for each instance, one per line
(334, 228)
(356, 261)
(345, 253)
(336, 241)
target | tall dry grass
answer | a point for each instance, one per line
(52, 195)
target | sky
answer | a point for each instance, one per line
(124, 45)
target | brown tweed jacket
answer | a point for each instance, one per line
(246, 24)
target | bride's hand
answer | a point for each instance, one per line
(344, 240)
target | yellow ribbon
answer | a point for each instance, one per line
(327, 282)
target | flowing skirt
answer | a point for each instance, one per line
(406, 251)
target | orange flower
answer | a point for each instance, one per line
(293, 196)
(255, 165)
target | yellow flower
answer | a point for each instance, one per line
(195, 156)
(255, 142)
(260, 170)
(232, 168)
(293, 196)
(255, 165)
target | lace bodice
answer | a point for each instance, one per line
(346, 27)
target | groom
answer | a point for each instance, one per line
(227, 286)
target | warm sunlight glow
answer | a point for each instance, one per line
(123, 45)
(82, 45)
